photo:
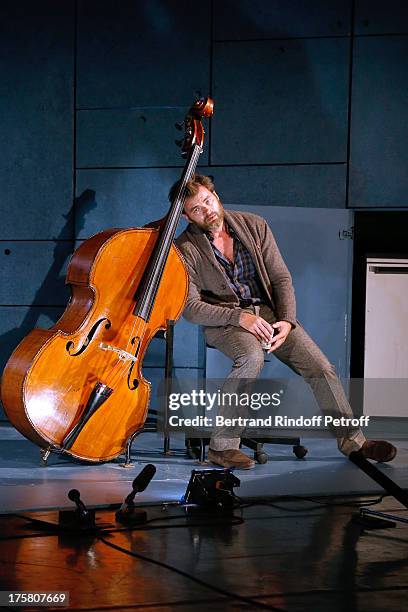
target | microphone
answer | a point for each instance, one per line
(141, 482)
(127, 513)
(75, 496)
(80, 519)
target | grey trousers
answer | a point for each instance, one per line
(303, 356)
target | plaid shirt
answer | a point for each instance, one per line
(241, 274)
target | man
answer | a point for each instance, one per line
(241, 292)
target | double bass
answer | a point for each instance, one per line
(78, 386)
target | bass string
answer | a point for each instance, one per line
(138, 331)
(126, 367)
(135, 333)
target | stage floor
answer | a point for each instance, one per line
(291, 556)
(288, 555)
(26, 486)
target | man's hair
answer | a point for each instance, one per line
(192, 186)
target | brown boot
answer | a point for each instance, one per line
(231, 458)
(378, 450)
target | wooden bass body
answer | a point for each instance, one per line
(90, 361)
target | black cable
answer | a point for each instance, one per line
(229, 594)
(237, 520)
(218, 520)
(358, 504)
(241, 505)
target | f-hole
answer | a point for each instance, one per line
(70, 345)
(133, 383)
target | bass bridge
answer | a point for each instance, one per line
(122, 354)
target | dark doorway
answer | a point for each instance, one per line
(376, 234)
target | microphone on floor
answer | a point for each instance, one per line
(75, 496)
(81, 519)
(128, 513)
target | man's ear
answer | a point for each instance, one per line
(183, 214)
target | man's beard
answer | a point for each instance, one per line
(217, 219)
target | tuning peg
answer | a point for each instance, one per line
(179, 126)
(179, 143)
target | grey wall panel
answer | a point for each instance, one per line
(16, 323)
(33, 272)
(379, 128)
(133, 197)
(280, 102)
(313, 186)
(381, 17)
(36, 135)
(243, 19)
(142, 53)
(124, 198)
(120, 138)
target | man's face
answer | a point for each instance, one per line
(204, 209)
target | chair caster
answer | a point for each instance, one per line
(261, 457)
(300, 451)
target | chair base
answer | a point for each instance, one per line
(196, 447)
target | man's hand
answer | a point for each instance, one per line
(283, 328)
(257, 326)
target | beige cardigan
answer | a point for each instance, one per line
(211, 302)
